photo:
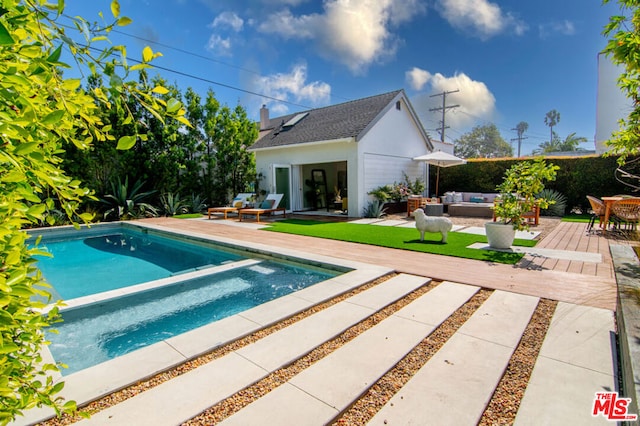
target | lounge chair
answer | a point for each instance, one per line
(270, 205)
(238, 202)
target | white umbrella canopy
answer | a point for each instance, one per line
(440, 159)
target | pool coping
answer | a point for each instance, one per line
(95, 382)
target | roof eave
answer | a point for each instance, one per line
(304, 144)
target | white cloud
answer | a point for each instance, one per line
(228, 20)
(417, 78)
(476, 101)
(565, 27)
(355, 33)
(481, 17)
(293, 86)
(219, 45)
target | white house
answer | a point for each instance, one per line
(351, 147)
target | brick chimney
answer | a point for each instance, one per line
(264, 117)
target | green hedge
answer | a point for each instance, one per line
(577, 177)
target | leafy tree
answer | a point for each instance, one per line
(235, 166)
(623, 49)
(41, 112)
(551, 119)
(482, 142)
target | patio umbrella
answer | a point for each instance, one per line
(440, 159)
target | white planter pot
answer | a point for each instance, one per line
(499, 235)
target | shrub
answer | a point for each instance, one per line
(557, 202)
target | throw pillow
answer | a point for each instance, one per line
(238, 203)
(266, 204)
(477, 199)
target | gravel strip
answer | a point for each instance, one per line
(381, 392)
(131, 391)
(246, 396)
(504, 403)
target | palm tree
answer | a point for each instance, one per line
(521, 127)
(551, 119)
(571, 142)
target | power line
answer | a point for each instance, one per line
(206, 80)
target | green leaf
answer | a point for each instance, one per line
(8, 348)
(173, 105)
(55, 55)
(54, 117)
(124, 21)
(25, 148)
(115, 8)
(147, 54)
(5, 37)
(126, 142)
(160, 90)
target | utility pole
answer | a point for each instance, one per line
(444, 109)
(520, 128)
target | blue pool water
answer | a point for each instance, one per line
(95, 264)
(96, 333)
(93, 333)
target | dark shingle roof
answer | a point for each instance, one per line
(340, 121)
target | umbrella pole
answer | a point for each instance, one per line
(437, 180)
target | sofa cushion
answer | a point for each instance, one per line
(466, 196)
(489, 198)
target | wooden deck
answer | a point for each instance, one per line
(586, 283)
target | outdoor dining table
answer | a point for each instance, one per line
(608, 202)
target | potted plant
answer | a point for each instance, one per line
(517, 197)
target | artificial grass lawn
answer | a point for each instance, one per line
(582, 218)
(399, 238)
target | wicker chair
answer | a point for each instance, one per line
(597, 206)
(627, 211)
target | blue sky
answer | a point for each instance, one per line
(510, 61)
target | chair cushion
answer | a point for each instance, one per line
(267, 204)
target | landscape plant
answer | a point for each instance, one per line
(124, 202)
(518, 191)
(41, 111)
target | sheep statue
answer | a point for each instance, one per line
(426, 223)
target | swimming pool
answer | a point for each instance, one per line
(192, 291)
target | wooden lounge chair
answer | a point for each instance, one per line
(238, 202)
(268, 206)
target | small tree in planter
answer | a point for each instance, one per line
(517, 197)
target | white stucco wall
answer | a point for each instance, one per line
(611, 103)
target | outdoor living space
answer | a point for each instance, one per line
(499, 339)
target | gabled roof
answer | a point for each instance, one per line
(337, 122)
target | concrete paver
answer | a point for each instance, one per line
(189, 394)
(338, 379)
(574, 363)
(466, 370)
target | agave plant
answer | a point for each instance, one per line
(196, 204)
(558, 205)
(127, 203)
(172, 204)
(374, 209)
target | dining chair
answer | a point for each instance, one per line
(628, 212)
(597, 207)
